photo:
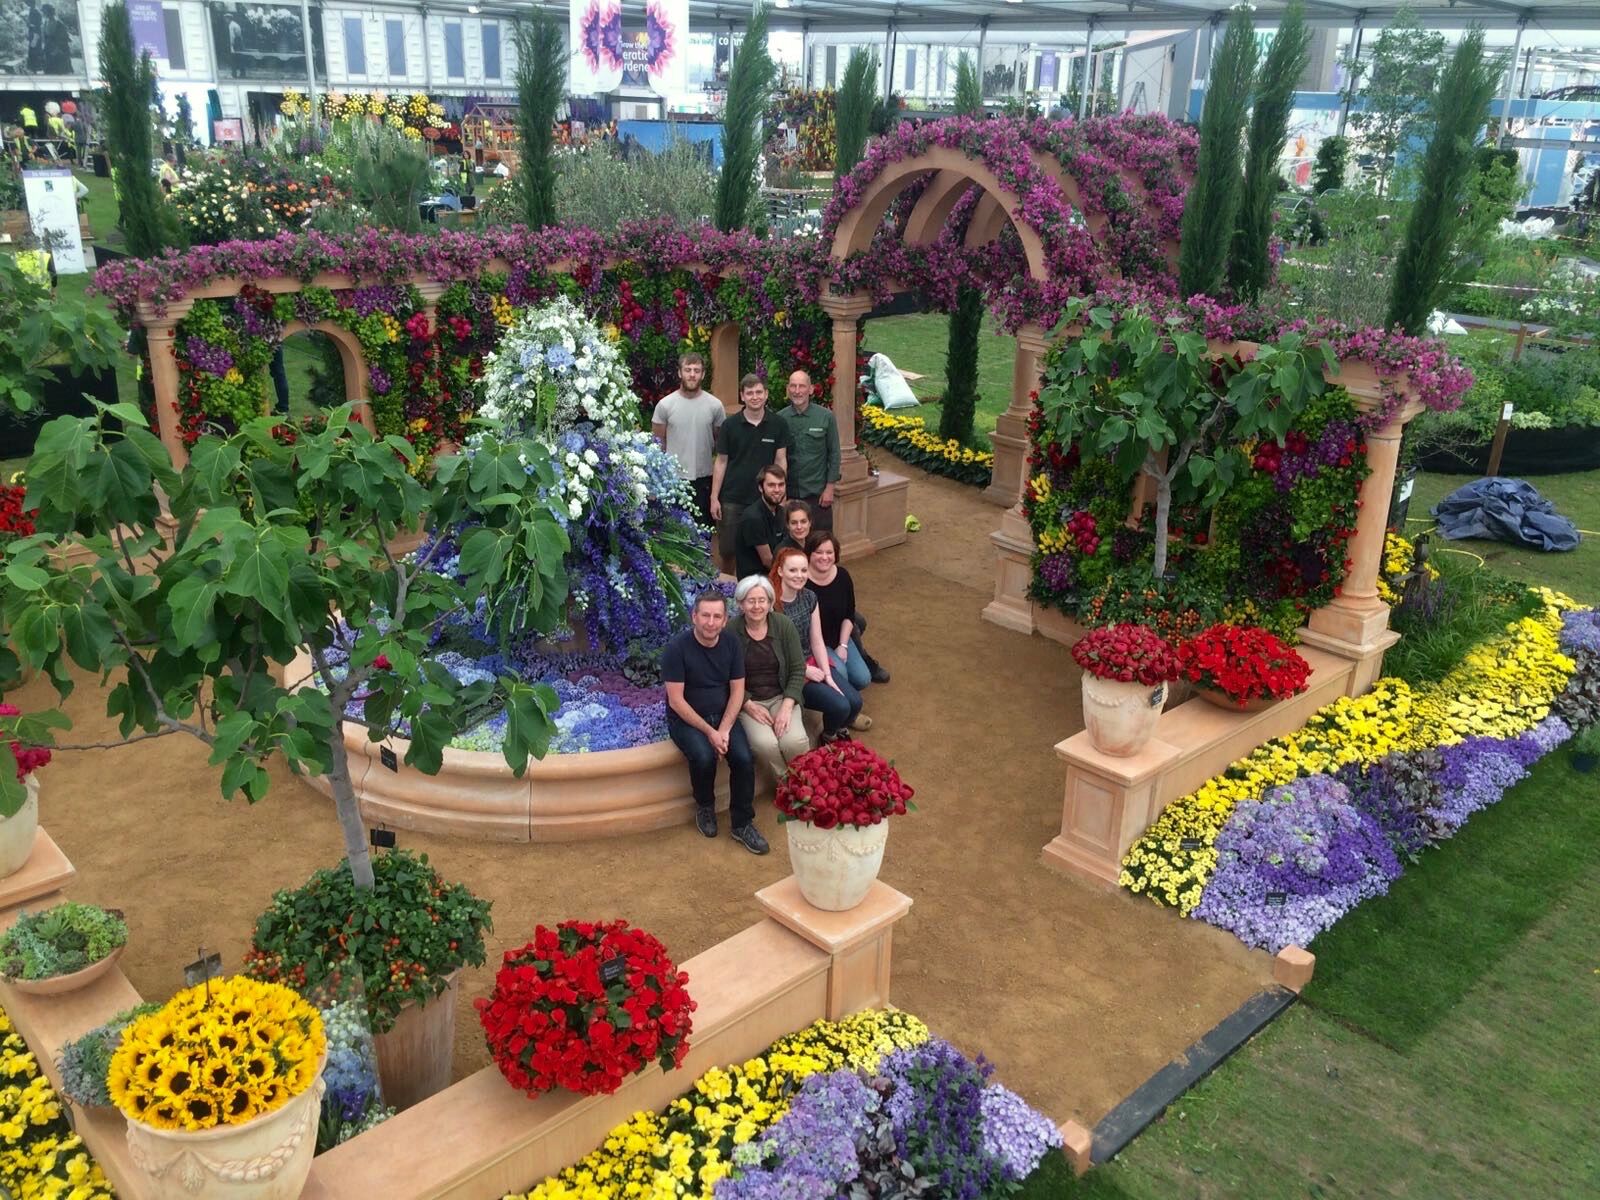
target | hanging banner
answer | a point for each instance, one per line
(645, 47)
(149, 26)
(595, 29)
(1048, 67)
(52, 195)
(40, 39)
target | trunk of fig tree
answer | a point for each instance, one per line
(344, 803)
(1163, 509)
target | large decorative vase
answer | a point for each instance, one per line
(17, 832)
(416, 1054)
(1121, 717)
(264, 1159)
(835, 867)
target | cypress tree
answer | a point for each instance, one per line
(1213, 199)
(741, 124)
(1250, 264)
(1460, 112)
(541, 83)
(853, 118)
(966, 322)
(1328, 169)
(148, 225)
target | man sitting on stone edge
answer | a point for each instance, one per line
(703, 669)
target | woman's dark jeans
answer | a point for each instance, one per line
(838, 708)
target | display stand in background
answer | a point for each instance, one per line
(53, 209)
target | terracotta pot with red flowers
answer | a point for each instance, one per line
(1243, 668)
(835, 804)
(583, 1006)
(1126, 670)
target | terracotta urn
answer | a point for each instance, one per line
(1121, 717)
(267, 1158)
(17, 832)
(835, 867)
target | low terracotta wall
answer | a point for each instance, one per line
(480, 1139)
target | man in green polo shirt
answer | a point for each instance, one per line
(813, 450)
(746, 442)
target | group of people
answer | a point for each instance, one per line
(735, 687)
(56, 139)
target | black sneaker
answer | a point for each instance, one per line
(750, 838)
(705, 820)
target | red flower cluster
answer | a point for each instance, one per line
(1081, 528)
(1244, 663)
(1126, 653)
(842, 783)
(29, 759)
(15, 521)
(562, 1016)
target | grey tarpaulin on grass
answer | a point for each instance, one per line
(1505, 510)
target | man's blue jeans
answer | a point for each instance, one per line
(696, 747)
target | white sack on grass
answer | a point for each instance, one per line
(891, 388)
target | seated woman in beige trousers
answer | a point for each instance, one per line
(774, 675)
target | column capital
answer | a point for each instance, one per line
(164, 321)
(1034, 339)
(850, 307)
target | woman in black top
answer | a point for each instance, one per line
(836, 604)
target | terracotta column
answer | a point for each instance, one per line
(1010, 437)
(430, 292)
(160, 335)
(725, 365)
(1355, 623)
(850, 497)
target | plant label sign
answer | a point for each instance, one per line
(1277, 899)
(202, 969)
(1190, 844)
(612, 970)
(389, 758)
(383, 839)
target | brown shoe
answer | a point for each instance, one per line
(862, 723)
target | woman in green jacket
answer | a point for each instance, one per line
(774, 675)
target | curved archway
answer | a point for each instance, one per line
(350, 358)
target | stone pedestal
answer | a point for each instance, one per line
(45, 873)
(1013, 572)
(857, 941)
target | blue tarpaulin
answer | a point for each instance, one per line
(1505, 510)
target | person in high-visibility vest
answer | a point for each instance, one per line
(58, 130)
(30, 122)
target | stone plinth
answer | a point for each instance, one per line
(869, 514)
(1013, 573)
(1293, 967)
(857, 941)
(45, 873)
(1077, 1143)
(1111, 801)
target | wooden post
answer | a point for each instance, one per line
(1500, 431)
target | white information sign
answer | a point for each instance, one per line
(52, 195)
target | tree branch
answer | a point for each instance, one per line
(163, 717)
(141, 737)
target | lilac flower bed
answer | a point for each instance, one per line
(928, 1123)
(1295, 862)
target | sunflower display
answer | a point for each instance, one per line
(218, 1054)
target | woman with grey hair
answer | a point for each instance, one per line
(774, 675)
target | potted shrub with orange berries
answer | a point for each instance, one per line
(406, 938)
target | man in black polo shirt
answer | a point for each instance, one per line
(703, 671)
(746, 442)
(761, 527)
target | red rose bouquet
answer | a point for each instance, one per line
(842, 783)
(585, 1005)
(1126, 654)
(1244, 664)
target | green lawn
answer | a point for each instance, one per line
(1446, 1047)
(917, 343)
(1577, 497)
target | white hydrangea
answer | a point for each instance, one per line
(553, 369)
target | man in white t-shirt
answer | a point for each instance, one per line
(685, 422)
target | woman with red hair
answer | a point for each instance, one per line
(833, 697)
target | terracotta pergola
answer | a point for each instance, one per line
(950, 176)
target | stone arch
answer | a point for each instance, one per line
(350, 357)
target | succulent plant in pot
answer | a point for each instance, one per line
(85, 1061)
(61, 948)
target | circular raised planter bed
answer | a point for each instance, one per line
(563, 798)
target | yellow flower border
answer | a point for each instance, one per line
(684, 1150)
(909, 438)
(1501, 688)
(41, 1158)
